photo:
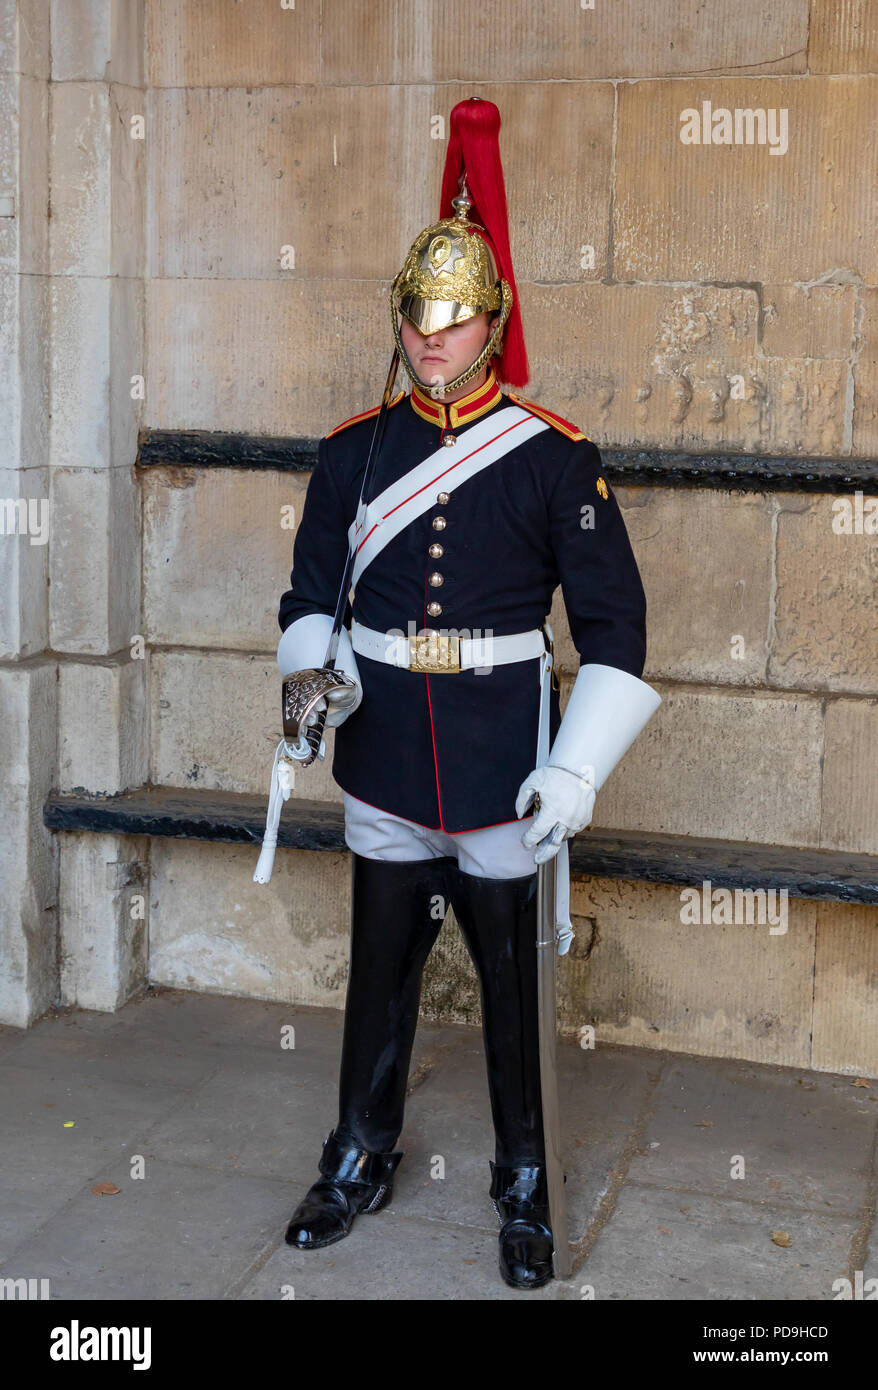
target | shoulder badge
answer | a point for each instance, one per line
(364, 415)
(563, 426)
(602, 488)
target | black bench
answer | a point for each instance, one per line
(827, 874)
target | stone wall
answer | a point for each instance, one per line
(71, 282)
(691, 297)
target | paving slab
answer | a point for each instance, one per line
(177, 1233)
(664, 1245)
(806, 1139)
(43, 1160)
(265, 1116)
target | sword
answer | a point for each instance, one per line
(546, 951)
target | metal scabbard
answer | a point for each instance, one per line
(546, 955)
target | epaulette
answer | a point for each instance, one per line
(563, 426)
(364, 415)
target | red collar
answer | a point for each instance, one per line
(457, 413)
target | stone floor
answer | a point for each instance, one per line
(227, 1124)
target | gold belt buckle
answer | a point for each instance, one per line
(434, 652)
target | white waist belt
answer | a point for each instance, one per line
(474, 652)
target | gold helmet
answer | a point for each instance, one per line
(450, 276)
(457, 268)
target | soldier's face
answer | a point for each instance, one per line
(441, 356)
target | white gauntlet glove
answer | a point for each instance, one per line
(303, 645)
(606, 711)
(566, 805)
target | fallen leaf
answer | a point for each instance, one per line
(704, 1124)
(68, 1124)
(781, 1238)
(469, 1262)
(684, 1210)
(861, 1081)
(664, 1230)
(105, 1189)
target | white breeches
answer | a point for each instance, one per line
(495, 851)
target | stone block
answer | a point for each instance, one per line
(216, 722)
(127, 366)
(665, 366)
(394, 41)
(94, 560)
(843, 37)
(9, 167)
(850, 794)
(708, 618)
(103, 726)
(294, 359)
(28, 852)
(809, 321)
(24, 37)
(826, 583)
(846, 990)
(639, 975)
(80, 39)
(80, 357)
(212, 928)
(98, 40)
(33, 413)
(209, 43)
(234, 529)
(865, 421)
(720, 764)
(104, 918)
(127, 158)
(32, 205)
(731, 201)
(25, 525)
(80, 230)
(306, 158)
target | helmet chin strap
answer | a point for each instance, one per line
(491, 348)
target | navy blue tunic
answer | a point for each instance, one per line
(451, 750)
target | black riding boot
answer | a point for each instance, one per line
(353, 1181)
(397, 910)
(498, 919)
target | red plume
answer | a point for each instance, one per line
(474, 147)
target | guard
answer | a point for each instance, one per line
(451, 515)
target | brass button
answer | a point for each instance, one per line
(449, 441)
(434, 609)
(439, 523)
(436, 550)
(443, 497)
(436, 579)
